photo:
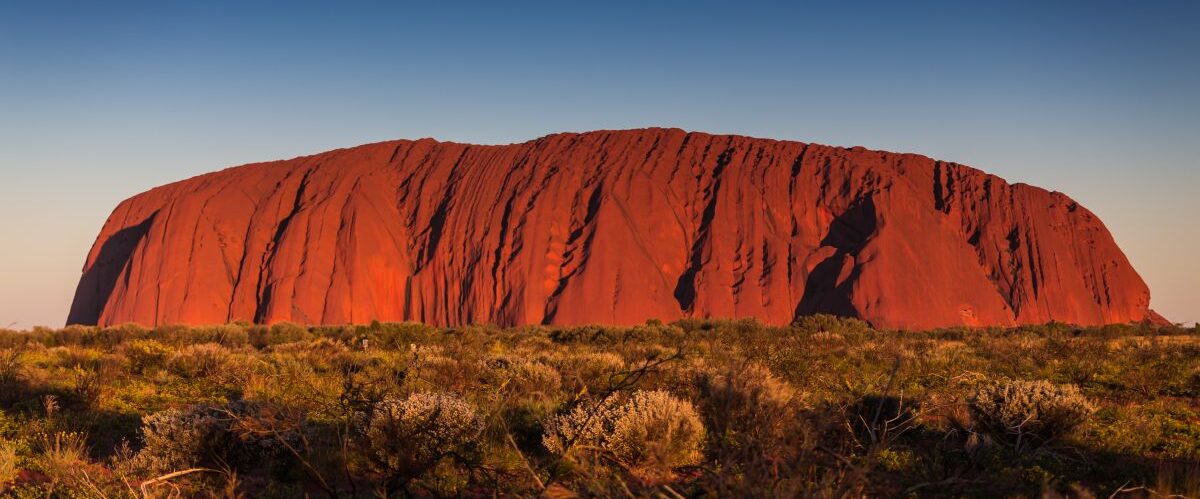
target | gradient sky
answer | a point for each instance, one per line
(102, 100)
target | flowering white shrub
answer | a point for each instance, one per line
(236, 433)
(652, 432)
(408, 436)
(523, 375)
(1028, 413)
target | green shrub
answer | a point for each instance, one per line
(283, 332)
(893, 460)
(198, 361)
(145, 355)
(1028, 414)
(60, 454)
(829, 324)
(87, 386)
(518, 375)
(319, 351)
(584, 334)
(12, 377)
(227, 335)
(397, 334)
(747, 410)
(8, 464)
(74, 356)
(130, 330)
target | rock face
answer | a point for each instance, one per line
(608, 227)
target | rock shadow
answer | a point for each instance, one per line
(824, 292)
(98, 282)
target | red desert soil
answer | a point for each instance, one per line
(610, 227)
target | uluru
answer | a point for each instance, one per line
(606, 227)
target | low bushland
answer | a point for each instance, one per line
(824, 407)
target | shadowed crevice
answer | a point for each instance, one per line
(685, 287)
(576, 248)
(267, 290)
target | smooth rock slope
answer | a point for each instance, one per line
(609, 227)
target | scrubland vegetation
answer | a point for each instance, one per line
(826, 407)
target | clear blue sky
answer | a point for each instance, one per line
(102, 100)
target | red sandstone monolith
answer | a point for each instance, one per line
(608, 227)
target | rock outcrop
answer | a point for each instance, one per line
(608, 227)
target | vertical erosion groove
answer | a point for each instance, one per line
(685, 288)
(266, 289)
